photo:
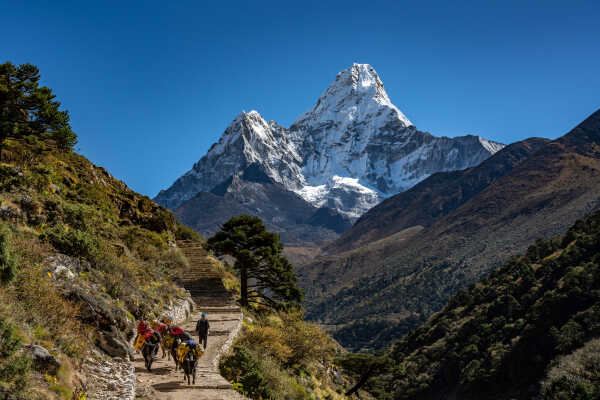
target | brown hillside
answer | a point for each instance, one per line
(433, 198)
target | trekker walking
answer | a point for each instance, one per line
(202, 330)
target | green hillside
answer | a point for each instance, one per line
(529, 330)
(81, 255)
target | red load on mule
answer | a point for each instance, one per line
(161, 328)
(142, 326)
(147, 334)
(176, 331)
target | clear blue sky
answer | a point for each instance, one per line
(151, 85)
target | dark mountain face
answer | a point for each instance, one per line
(253, 192)
(395, 282)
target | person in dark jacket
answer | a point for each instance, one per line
(202, 327)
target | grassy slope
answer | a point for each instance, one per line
(58, 202)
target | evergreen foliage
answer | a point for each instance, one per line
(14, 367)
(28, 109)
(245, 370)
(8, 261)
(258, 259)
(497, 339)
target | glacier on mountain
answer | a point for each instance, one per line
(348, 152)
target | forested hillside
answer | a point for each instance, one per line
(529, 330)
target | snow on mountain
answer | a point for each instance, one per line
(348, 152)
(248, 139)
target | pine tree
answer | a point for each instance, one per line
(29, 109)
(264, 271)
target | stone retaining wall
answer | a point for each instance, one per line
(114, 378)
(227, 346)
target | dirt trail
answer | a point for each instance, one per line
(204, 284)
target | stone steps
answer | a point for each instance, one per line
(222, 310)
(203, 280)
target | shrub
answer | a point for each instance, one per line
(290, 340)
(73, 242)
(244, 369)
(14, 367)
(575, 376)
(307, 341)
(184, 232)
(8, 261)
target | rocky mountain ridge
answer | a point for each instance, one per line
(350, 151)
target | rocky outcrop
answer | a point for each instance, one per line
(43, 361)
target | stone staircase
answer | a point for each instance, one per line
(203, 281)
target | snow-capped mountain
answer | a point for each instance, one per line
(347, 153)
(248, 140)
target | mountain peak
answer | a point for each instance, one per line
(357, 93)
(350, 150)
(363, 78)
(246, 114)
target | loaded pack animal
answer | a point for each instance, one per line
(189, 364)
(165, 343)
(178, 335)
(150, 347)
(148, 350)
(173, 350)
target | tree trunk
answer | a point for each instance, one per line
(244, 286)
(363, 379)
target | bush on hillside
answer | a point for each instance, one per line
(14, 367)
(184, 232)
(71, 241)
(283, 356)
(244, 369)
(575, 376)
(8, 261)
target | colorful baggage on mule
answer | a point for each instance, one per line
(185, 347)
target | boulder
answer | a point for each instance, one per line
(43, 361)
(113, 346)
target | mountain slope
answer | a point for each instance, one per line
(394, 283)
(502, 336)
(253, 192)
(347, 153)
(433, 198)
